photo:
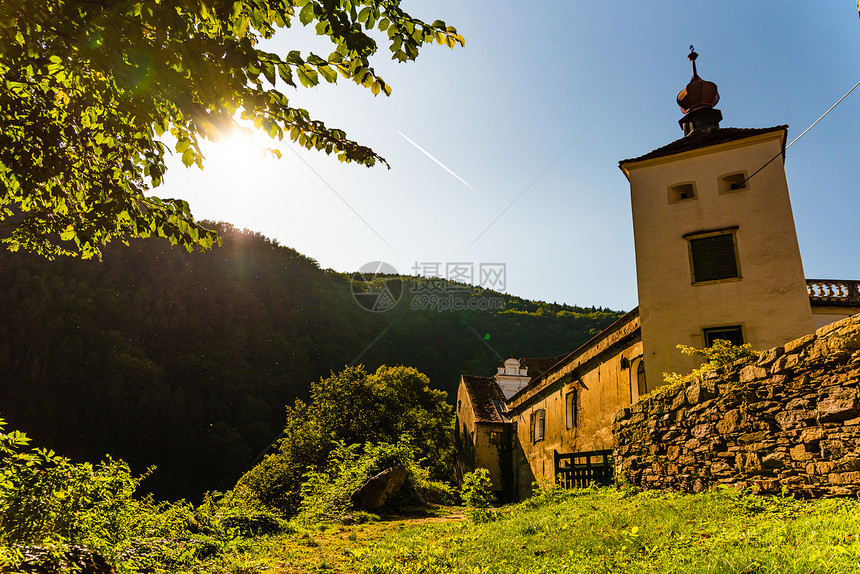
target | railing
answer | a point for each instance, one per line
(833, 292)
(579, 469)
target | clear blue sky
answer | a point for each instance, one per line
(534, 115)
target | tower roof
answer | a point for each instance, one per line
(702, 139)
(699, 93)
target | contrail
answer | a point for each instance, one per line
(442, 165)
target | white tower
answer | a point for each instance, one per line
(716, 248)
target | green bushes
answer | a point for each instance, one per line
(353, 407)
(477, 493)
(326, 493)
(53, 511)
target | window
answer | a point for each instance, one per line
(733, 182)
(734, 334)
(640, 379)
(537, 424)
(570, 409)
(713, 257)
(681, 192)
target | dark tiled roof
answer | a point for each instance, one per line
(697, 140)
(483, 391)
(538, 365)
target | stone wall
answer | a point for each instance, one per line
(788, 420)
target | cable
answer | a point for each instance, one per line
(743, 183)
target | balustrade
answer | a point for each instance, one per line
(833, 292)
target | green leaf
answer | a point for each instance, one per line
(188, 157)
(307, 76)
(306, 16)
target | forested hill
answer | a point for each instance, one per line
(186, 360)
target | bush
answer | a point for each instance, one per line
(54, 512)
(477, 493)
(326, 492)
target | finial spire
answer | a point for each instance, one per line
(697, 101)
(692, 57)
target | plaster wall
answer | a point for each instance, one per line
(770, 299)
(602, 386)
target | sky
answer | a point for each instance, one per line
(506, 151)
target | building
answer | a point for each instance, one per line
(716, 258)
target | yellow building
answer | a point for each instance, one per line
(716, 258)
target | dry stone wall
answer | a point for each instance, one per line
(789, 420)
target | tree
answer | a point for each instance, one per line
(90, 87)
(354, 407)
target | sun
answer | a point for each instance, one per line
(241, 150)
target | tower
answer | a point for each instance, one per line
(716, 248)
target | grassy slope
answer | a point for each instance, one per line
(604, 530)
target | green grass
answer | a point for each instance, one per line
(611, 530)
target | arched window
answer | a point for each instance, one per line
(570, 409)
(640, 379)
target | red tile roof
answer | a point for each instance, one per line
(484, 393)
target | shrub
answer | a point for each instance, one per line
(477, 493)
(326, 492)
(720, 353)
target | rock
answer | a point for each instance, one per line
(374, 493)
(774, 460)
(841, 405)
(798, 344)
(769, 356)
(697, 393)
(42, 560)
(731, 422)
(751, 373)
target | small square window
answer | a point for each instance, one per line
(681, 192)
(734, 334)
(713, 257)
(733, 182)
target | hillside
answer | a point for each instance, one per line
(186, 360)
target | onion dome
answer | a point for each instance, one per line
(699, 93)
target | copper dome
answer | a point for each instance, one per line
(699, 93)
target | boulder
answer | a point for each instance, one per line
(376, 491)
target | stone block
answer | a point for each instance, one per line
(800, 454)
(767, 357)
(621, 415)
(751, 373)
(811, 434)
(775, 460)
(847, 464)
(844, 478)
(699, 393)
(842, 404)
(752, 437)
(679, 401)
(692, 444)
(673, 452)
(731, 422)
(798, 344)
(789, 419)
(702, 430)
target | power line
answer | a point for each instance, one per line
(743, 183)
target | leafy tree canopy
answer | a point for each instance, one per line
(89, 87)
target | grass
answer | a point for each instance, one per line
(595, 530)
(612, 530)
